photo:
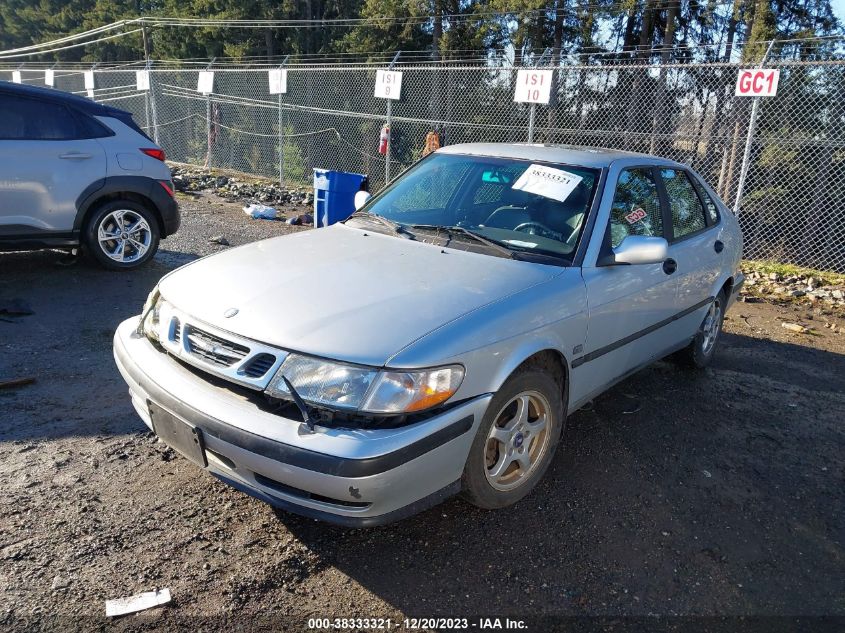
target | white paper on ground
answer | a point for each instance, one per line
(138, 602)
(547, 182)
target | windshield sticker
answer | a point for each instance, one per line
(547, 182)
(636, 215)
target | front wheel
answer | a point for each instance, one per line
(122, 235)
(516, 440)
(700, 352)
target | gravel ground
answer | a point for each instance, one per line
(676, 493)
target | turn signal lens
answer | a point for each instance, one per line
(411, 391)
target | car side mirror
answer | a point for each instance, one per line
(361, 199)
(640, 249)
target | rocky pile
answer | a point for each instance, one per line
(804, 287)
(188, 179)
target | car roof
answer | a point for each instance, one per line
(57, 96)
(597, 157)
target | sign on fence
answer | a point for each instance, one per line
(278, 79)
(388, 84)
(205, 82)
(49, 78)
(16, 76)
(757, 82)
(142, 79)
(89, 83)
(533, 86)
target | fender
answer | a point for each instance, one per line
(164, 206)
(141, 185)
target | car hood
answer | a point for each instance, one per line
(343, 293)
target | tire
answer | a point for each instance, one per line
(700, 352)
(128, 249)
(488, 482)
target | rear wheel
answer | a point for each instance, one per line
(122, 235)
(700, 352)
(516, 440)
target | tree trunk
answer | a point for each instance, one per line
(437, 31)
(661, 121)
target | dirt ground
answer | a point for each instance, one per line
(677, 493)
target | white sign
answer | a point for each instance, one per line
(142, 79)
(533, 86)
(757, 83)
(49, 77)
(388, 84)
(90, 93)
(278, 81)
(16, 76)
(89, 80)
(205, 82)
(547, 182)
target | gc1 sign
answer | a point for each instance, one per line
(757, 83)
(533, 86)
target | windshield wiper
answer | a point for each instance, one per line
(396, 227)
(493, 244)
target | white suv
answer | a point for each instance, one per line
(78, 173)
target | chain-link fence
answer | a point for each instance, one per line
(792, 206)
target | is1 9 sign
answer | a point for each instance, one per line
(533, 86)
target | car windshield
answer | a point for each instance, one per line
(520, 207)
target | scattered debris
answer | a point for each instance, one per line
(301, 220)
(707, 473)
(187, 180)
(138, 602)
(16, 382)
(219, 239)
(795, 327)
(261, 212)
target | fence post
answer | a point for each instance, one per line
(208, 121)
(532, 111)
(749, 139)
(389, 126)
(282, 134)
(152, 97)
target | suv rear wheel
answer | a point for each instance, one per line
(122, 235)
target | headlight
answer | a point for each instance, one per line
(364, 388)
(150, 314)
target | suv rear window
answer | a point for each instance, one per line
(22, 118)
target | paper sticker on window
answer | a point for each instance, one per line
(547, 182)
(636, 215)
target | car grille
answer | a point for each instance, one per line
(212, 349)
(258, 366)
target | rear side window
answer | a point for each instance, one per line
(687, 210)
(636, 207)
(709, 205)
(33, 119)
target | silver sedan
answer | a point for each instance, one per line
(434, 342)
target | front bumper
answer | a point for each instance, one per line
(348, 476)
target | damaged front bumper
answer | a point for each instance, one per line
(353, 477)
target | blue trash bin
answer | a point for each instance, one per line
(334, 195)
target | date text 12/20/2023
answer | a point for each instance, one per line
(416, 624)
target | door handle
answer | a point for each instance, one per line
(718, 246)
(670, 266)
(75, 156)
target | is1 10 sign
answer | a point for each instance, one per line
(533, 86)
(757, 82)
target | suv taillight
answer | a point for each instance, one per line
(154, 152)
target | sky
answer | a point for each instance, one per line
(839, 8)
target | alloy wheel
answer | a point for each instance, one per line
(124, 236)
(710, 327)
(518, 440)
